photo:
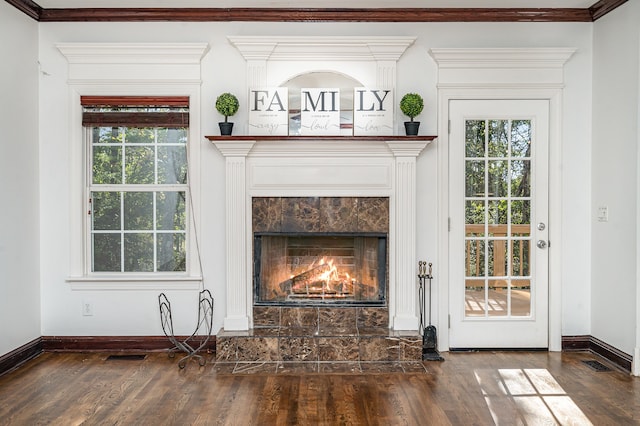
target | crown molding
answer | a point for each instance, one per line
(27, 7)
(318, 15)
(590, 14)
(596, 11)
(602, 7)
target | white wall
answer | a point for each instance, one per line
(223, 69)
(615, 167)
(19, 211)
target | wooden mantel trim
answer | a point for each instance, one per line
(599, 9)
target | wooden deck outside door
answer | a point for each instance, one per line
(498, 210)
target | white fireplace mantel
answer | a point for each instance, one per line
(330, 166)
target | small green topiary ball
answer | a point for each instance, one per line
(227, 104)
(411, 105)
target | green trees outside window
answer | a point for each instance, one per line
(138, 195)
(498, 196)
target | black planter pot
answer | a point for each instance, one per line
(225, 128)
(411, 127)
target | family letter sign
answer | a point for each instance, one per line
(372, 112)
(320, 112)
(269, 111)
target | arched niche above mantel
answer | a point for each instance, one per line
(274, 60)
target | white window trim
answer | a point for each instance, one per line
(148, 69)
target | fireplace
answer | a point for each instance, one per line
(331, 192)
(341, 185)
(320, 251)
(337, 269)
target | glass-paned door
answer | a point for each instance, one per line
(498, 176)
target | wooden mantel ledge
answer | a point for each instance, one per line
(320, 138)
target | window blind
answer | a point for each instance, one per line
(133, 111)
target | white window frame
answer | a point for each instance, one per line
(125, 188)
(123, 69)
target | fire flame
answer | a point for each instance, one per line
(332, 276)
(323, 277)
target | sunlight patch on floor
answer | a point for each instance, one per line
(527, 397)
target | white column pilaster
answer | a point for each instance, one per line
(237, 315)
(403, 292)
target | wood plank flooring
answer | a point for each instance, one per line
(484, 388)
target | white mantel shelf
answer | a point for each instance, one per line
(320, 138)
(321, 146)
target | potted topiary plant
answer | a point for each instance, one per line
(411, 105)
(226, 104)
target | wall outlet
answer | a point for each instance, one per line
(87, 308)
(603, 214)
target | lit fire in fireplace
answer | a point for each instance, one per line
(307, 268)
(321, 280)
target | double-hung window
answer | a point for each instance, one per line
(137, 184)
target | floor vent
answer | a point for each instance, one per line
(128, 357)
(597, 366)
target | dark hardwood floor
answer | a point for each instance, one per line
(484, 388)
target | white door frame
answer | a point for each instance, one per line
(555, 199)
(504, 329)
(501, 74)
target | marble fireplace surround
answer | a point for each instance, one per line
(312, 222)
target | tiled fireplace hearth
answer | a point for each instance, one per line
(319, 339)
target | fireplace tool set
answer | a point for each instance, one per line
(429, 333)
(200, 337)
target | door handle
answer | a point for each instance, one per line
(542, 244)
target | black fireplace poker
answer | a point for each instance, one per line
(429, 333)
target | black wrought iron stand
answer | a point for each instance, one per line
(429, 333)
(200, 337)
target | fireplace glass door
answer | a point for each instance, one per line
(319, 269)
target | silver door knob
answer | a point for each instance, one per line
(541, 244)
